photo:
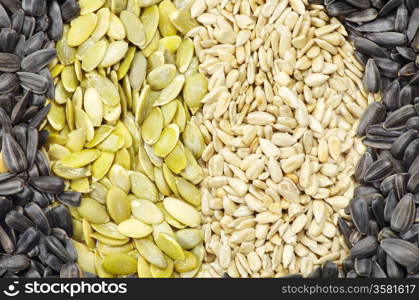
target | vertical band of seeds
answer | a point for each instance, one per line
(209, 138)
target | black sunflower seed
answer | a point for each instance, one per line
(389, 6)
(70, 9)
(56, 28)
(36, 83)
(400, 144)
(14, 157)
(34, 7)
(18, 221)
(365, 247)
(413, 26)
(28, 240)
(70, 270)
(387, 39)
(369, 48)
(15, 263)
(366, 15)
(374, 114)
(6, 242)
(402, 252)
(363, 266)
(8, 83)
(397, 119)
(378, 170)
(38, 60)
(38, 217)
(372, 77)
(359, 212)
(48, 184)
(55, 246)
(379, 25)
(402, 18)
(403, 214)
(70, 198)
(35, 43)
(377, 271)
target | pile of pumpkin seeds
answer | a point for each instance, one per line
(127, 85)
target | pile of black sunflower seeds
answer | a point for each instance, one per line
(384, 229)
(34, 236)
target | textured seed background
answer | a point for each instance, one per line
(121, 133)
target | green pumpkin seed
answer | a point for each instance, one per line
(115, 52)
(119, 177)
(143, 188)
(144, 164)
(163, 227)
(93, 106)
(80, 159)
(151, 252)
(169, 246)
(103, 23)
(112, 143)
(180, 117)
(134, 228)
(193, 139)
(188, 264)
(138, 70)
(150, 20)
(109, 230)
(99, 267)
(81, 29)
(184, 55)
(146, 211)
(89, 6)
(107, 90)
(85, 258)
(120, 264)
(56, 116)
(87, 231)
(169, 219)
(69, 173)
(181, 19)
(171, 91)
(98, 192)
(69, 79)
(169, 111)
(100, 134)
(118, 206)
(134, 28)
(167, 141)
(116, 29)
(83, 121)
(93, 211)
(196, 87)
(81, 185)
(143, 268)
(56, 152)
(189, 238)
(125, 66)
(170, 44)
(161, 77)
(157, 272)
(153, 126)
(166, 28)
(102, 165)
(182, 211)
(107, 250)
(176, 160)
(188, 191)
(161, 184)
(92, 59)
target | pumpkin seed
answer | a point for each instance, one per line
(110, 230)
(153, 126)
(156, 272)
(80, 159)
(188, 264)
(102, 165)
(93, 211)
(151, 253)
(81, 29)
(92, 58)
(134, 228)
(118, 206)
(120, 264)
(143, 268)
(146, 211)
(183, 212)
(143, 188)
(167, 141)
(170, 246)
(134, 28)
